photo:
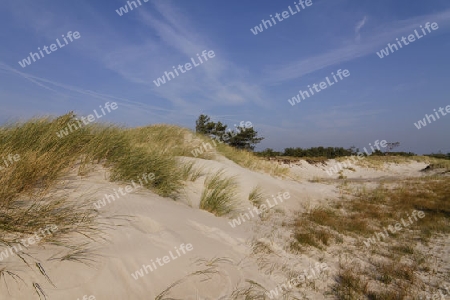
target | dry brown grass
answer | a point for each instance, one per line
(316, 160)
(370, 211)
(380, 162)
(393, 267)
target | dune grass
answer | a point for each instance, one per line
(26, 203)
(243, 158)
(256, 196)
(381, 162)
(191, 172)
(24, 207)
(394, 266)
(219, 194)
(440, 164)
(166, 139)
(45, 158)
(369, 211)
(32, 189)
(129, 153)
(250, 161)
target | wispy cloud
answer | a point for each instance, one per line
(216, 82)
(358, 27)
(68, 90)
(173, 40)
(351, 50)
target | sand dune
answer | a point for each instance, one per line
(141, 227)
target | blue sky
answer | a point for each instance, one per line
(251, 76)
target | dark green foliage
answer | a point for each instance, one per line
(217, 129)
(201, 125)
(242, 138)
(439, 155)
(401, 154)
(269, 152)
(329, 152)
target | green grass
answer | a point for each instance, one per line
(28, 198)
(191, 172)
(256, 196)
(45, 158)
(219, 194)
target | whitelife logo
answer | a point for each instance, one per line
(320, 268)
(188, 66)
(423, 122)
(259, 210)
(285, 14)
(86, 297)
(395, 228)
(48, 230)
(165, 260)
(10, 161)
(411, 38)
(27, 61)
(128, 189)
(124, 9)
(86, 120)
(323, 85)
(227, 135)
(348, 162)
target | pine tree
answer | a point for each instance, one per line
(201, 125)
(245, 138)
(241, 138)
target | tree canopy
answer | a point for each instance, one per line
(240, 138)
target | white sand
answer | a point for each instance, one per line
(142, 226)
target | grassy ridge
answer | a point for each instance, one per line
(250, 161)
(45, 158)
(31, 191)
